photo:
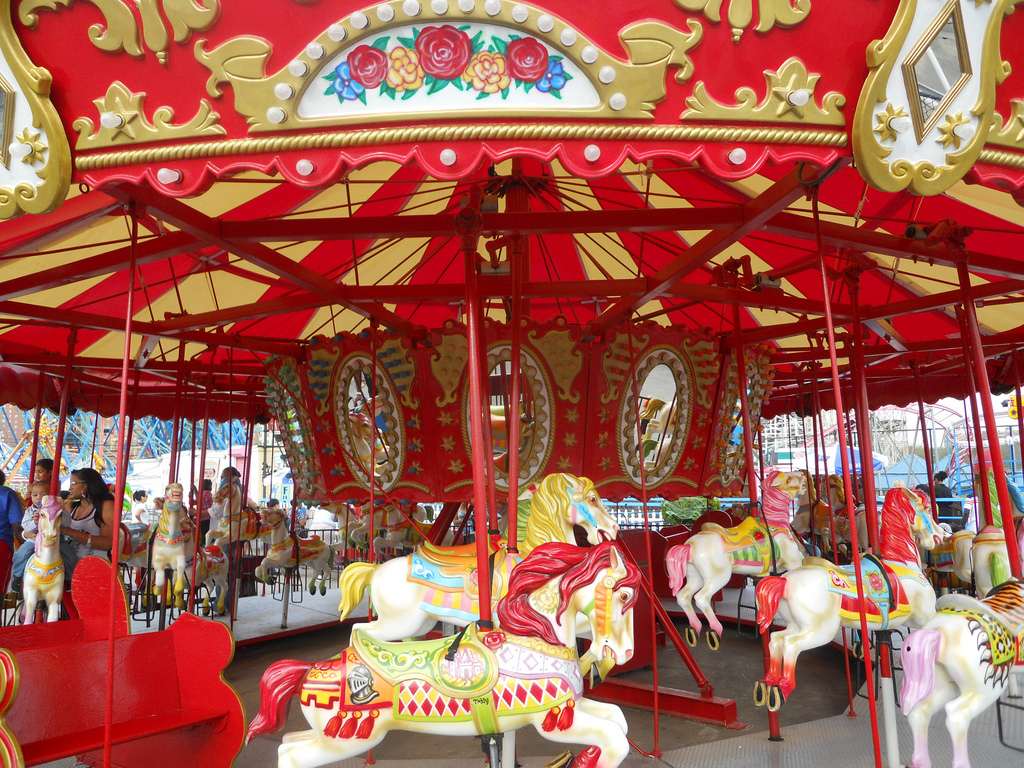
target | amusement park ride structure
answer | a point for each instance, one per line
(348, 221)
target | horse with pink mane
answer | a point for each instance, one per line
(819, 597)
(480, 682)
(708, 559)
(44, 575)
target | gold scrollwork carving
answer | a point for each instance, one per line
(394, 357)
(46, 141)
(1012, 133)
(784, 13)
(789, 98)
(135, 127)
(122, 31)
(448, 364)
(625, 90)
(563, 358)
(615, 363)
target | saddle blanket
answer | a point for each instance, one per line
(748, 543)
(885, 596)
(453, 590)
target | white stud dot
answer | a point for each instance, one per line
(359, 20)
(297, 68)
(336, 32)
(545, 23)
(304, 167)
(738, 156)
(276, 115)
(440, 7)
(592, 152)
(111, 120)
(520, 13)
(617, 101)
(19, 150)
(411, 8)
(315, 51)
(900, 124)
(385, 13)
(493, 7)
(799, 97)
(965, 132)
(568, 36)
(589, 54)
(448, 157)
(168, 176)
(606, 75)
(467, 6)
(283, 91)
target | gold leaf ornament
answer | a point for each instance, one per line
(740, 13)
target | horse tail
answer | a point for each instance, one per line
(676, 561)
(920, 652)
(353, 581)
(767, 596)
(278, 684)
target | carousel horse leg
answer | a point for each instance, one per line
(611, 744)
(309, 749)
(959, 714)
(943, 690)
(604, 711)
(703, 600)
(685, 600)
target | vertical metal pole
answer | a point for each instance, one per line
(372, 471)
(519, 246)
(115, 580)
(62, 420)
(925, 441)
(848, 484)
(473, 333)
(199, 490)
(176, 421)
(992, 429)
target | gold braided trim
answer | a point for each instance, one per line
(416, 134)
(999, 157)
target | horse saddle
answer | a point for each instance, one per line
(1005, 604)
(452, 556)
(750, 533)
(472, 669)
(135, 538)
(990, 534)
(883, 592)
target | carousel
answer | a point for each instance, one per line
(518, 262)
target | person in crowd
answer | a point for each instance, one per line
(10, 527)
(29, 526)
(948, 510)
(140, 508)
(157, 511)
(88, 522)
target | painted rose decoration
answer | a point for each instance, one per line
(437, 57)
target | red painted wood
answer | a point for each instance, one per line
(671, 701)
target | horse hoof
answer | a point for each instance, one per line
(775, 699)
(760, 693)
(713, 639)
(690, 636)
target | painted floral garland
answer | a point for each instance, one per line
(436, 57)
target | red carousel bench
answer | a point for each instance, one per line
(171, 706)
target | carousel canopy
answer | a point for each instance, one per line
(682, 163)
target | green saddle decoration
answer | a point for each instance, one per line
(472, 672)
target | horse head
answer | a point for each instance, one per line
(611, 619)
(561, 501)
(928, 533)
(793, 483)
(273, 517)
(173, 497)
(49, 523)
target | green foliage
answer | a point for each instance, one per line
(687, 509)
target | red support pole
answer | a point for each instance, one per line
(371, 471)
(202, 479)
(860, 391)
(62, 421)
(122, 459)
(467, 224)
(979, 441)
(176, 422)
(992, 429)
(924, 439)
(40, 389)
(847, 483)
(647, 538)
(518, 199)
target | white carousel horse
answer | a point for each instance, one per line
(961, 660)
(819, 597)
(410, 594)
(313, 552)
(658, 418)
(485, 682)
(44, 575)
(238, 523)
(823, 521)
(401, 533)
(709, 558)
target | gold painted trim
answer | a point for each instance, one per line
(34, 83)
(373, 137)
(740, 14)
(952, 12)
(1013, 160)
(776, 107)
